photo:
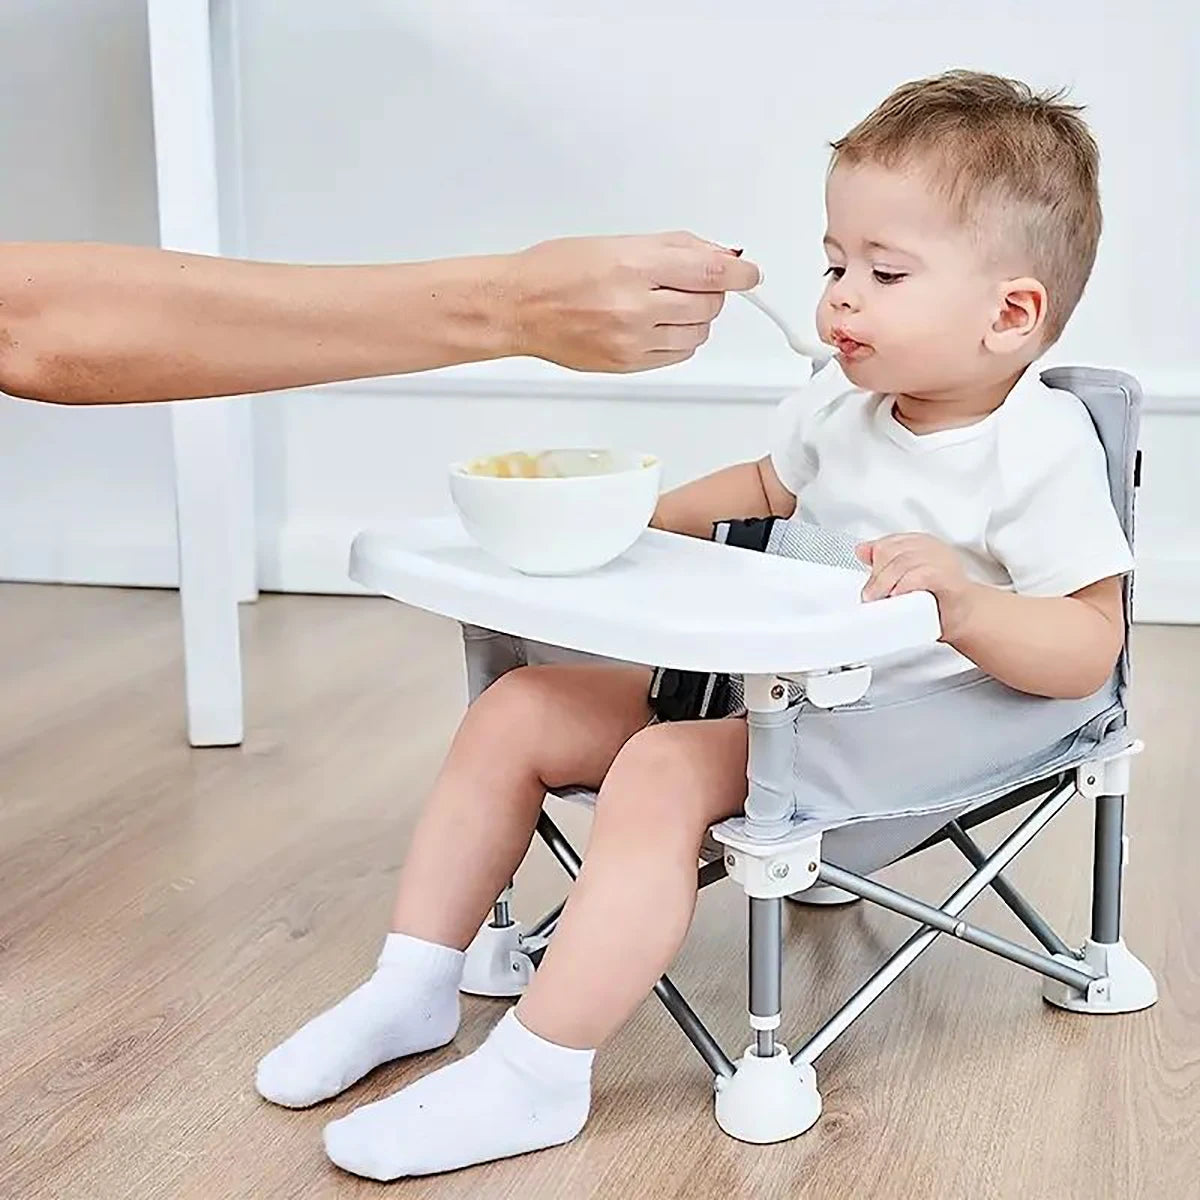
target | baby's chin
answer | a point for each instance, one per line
(872, 372)
(865, 370)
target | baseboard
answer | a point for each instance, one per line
(312, 560)
(1167, 591)
(104, 558)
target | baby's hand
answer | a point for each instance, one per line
(913, 562)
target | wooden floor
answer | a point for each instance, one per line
(167, 915)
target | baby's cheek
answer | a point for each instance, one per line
(824, 318)
(931, 322)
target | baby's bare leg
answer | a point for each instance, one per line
(535, 728)
(629, 911)
(529, 1085)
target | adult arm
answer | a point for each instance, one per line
(84, 323)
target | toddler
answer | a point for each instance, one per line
(962, 223)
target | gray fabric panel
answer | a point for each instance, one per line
(489, 655)
(1114, 402)
(975, 739)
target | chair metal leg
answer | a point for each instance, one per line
(766, 972)
(1125, 984)
(694, 1029)
(495, 964)
(906, 906)
(768, 1098)
(501, 914)
(542, 927)
(1021, 908)
(1107, 863)
(920, 941)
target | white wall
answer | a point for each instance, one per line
(83, 495)
(377, 130)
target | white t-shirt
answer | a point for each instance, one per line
(1022, 494)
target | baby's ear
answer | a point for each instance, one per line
(1020, 316)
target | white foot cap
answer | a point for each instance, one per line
(825, 895)
(768, 1099)
(1126, 986)
(494, 964)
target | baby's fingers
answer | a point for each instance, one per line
(885, 574)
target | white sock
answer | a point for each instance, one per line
(410, 1004)
(516, 1093)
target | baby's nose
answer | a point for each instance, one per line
(842, 297)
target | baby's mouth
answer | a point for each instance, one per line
(848, 347)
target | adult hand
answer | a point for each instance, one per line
(621, 304)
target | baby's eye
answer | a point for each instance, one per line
(888, 276)
(836, 272)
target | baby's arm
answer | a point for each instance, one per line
(748, 489)
(1063, 646)
(1056, 646)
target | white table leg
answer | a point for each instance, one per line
(208, 584)
(207, 435)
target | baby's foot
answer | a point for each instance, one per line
(515, 1094)
(410, 1004)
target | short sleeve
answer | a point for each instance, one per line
(1056, 530)
(794, 422)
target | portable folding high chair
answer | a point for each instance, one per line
(800, 646)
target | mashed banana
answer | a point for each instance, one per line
(547, 464)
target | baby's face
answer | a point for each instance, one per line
(908, 296)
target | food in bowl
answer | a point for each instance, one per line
(549, 464)
(558, 511)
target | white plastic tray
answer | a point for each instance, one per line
(670, 601)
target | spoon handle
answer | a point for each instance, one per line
(800, 345)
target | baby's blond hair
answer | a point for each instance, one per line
(1019, 167)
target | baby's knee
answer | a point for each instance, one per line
(655, 754)
(520, 698)
(646, 784)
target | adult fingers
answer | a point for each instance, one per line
(668, 307)
(703, 269)
(680, 337)
(653, 359)
(684, 240)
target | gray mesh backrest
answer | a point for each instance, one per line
(1114, 401)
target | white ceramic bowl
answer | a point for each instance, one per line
(556, 512)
